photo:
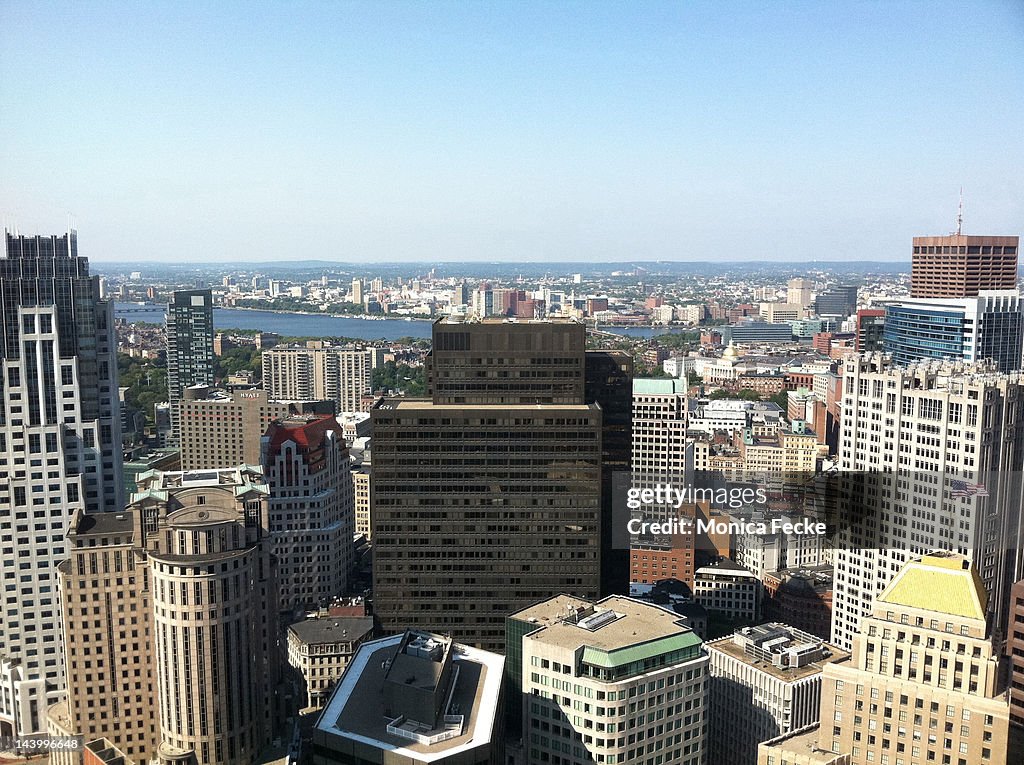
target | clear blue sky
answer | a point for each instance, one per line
(588, 131)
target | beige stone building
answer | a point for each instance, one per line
(171, 609)
(361, 478)
(321, 647)
(798, 748)
(306, 463)
(108, 639)
(923, 683)
(219, 429)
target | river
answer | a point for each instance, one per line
(316, 325)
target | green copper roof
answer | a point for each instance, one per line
(659, 386)
(621, 656)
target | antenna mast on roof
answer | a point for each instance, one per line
(960, 214)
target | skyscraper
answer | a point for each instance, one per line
(171, 607)
(909, 433)
(609, 383)
(487, 496)
(923, 683)
(311, 512)
(60, 452)
(357, 291)
(798, 292)
(190, 355)
(988, 326)
(958, 266)
(111, 682)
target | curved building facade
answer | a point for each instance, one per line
(213, 613)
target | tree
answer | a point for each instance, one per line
(403, 378)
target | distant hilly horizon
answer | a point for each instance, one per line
(503, 267)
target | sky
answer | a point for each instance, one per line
(519, 131)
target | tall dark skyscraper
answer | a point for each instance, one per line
(487, 496)
(189, 347)
(958, 266)
(609, 383)
(60, 452)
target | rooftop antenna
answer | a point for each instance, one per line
(960, 213)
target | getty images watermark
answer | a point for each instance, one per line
(671, 498)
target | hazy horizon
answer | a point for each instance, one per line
(499, 132)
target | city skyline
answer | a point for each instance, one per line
(416, 132)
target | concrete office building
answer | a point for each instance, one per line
(776, 313)
(661, 413)
(989, 326)
(838, 301)
(729, 589)
(774, 551)
(311, 509)
(190, 354)
(923, 682)
(317, 371)
(60, 453)
(933, 423)
(321, 647)
(798, 292)
(481, 508)
(357, 291)
(613, 681)
(959, 266)
(765, 681)
(414, 698)
(219, 428)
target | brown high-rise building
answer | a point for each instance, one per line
(507, 362)
(487, 497)
(219, 429)
(958, 266)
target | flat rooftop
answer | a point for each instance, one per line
(804, 742)
(105, 523)
(328, 629)
(727, 646)
(455, 321)
(628, 623)
(406, 404)
(356, 709)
